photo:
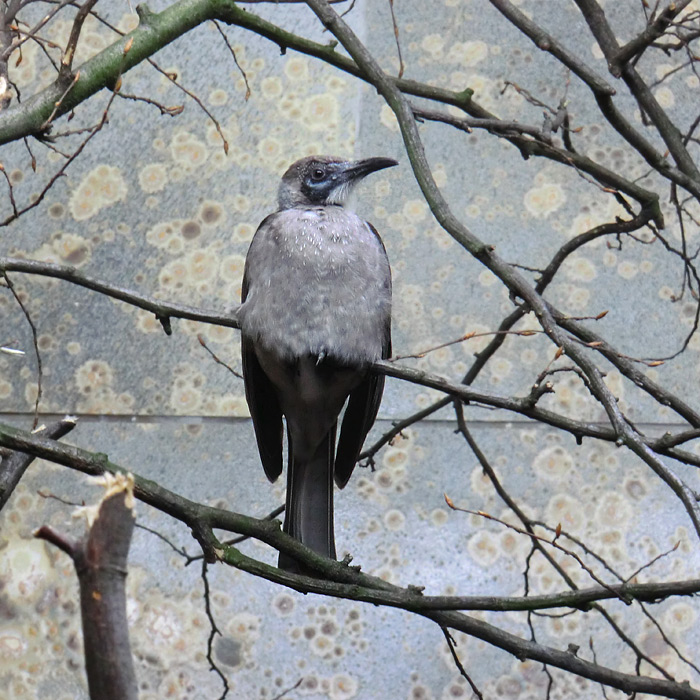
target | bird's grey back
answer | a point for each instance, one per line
(318, 283)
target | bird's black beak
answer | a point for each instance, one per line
(361, 168)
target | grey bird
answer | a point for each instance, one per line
(316, 311)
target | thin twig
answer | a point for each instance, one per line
(235, 60)
(213, 631)
(451, 645)
(35, 342)
(651, 562)
(10, 188)
(396, 38)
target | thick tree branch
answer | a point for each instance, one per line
(161, 309)
(626, 434)
(524, 406)
(14, 464)
(155, 31)
(548, 43)
(531, 142)
(100, 561)
(601, 30)
(653, 31)
(103, 70)
(339, 580)
(657, 160)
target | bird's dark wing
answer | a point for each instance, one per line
(264, 406)
(360, 415)
(363, 405)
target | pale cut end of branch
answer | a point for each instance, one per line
(5, 92)
(113, 485)
(71, 421)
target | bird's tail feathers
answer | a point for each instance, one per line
(309, 508)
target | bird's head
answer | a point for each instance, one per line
(322, 180)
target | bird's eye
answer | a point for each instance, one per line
(317, 174)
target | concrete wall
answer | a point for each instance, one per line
(156, 205)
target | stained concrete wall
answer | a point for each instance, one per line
(155, 204)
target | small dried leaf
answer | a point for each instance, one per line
(595, 343)
(128, 45)
(558, 353)
(449, 502)
(602, 314)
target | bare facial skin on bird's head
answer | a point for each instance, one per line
(325, 180)
(315, 313)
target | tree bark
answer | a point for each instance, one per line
(100, 561)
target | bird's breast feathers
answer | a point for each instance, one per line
(322, 275)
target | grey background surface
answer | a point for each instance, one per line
(154, 204)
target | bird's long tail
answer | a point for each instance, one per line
(309, 510)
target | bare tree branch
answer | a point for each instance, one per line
(338, 580)
(100, 562)
(14, 464)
